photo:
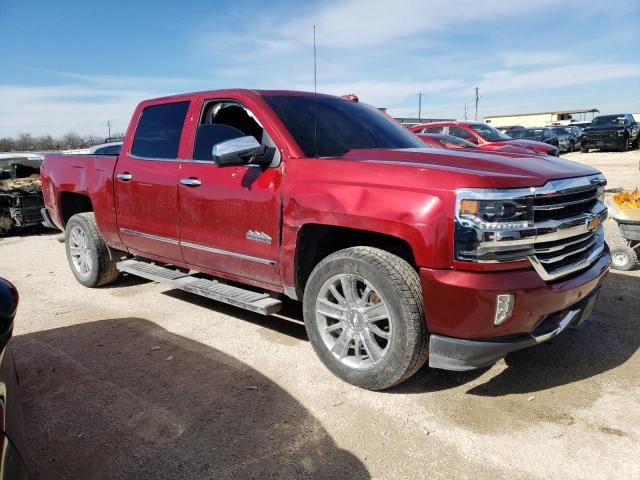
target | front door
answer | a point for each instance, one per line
(230, 216)
(146, 179)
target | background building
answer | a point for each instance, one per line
(410, 122)
(541, 119)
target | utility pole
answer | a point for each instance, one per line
(466, 112)
(420, 107)
(109, 128)
(477, 89)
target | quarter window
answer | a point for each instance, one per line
(159, 130)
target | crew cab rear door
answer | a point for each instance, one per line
(230, 215)
(146, 179)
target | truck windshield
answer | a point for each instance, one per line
(608, 120)
(342, 125)
(489, 133)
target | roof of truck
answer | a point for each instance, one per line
(243, 90)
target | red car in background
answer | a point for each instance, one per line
(485, 136)
(440, 140)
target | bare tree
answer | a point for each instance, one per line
(25, 142)
(7, 144)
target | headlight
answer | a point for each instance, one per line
(497, 214)
(494, 225)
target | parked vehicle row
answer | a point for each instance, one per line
(620, 132)
(566, 139)
(400, 254)
(485, 136)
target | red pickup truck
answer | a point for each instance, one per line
(399, 253)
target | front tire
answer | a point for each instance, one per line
(87, 252)
(624, 146)
(364, 315)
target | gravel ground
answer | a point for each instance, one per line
(138, 381)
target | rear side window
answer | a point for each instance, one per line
(433, 130)
(159, 130)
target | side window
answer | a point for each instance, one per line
(433, 130)
(459, 132)
(159, 129)
(225, 120)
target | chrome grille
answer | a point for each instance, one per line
(564, 205)
(568, 219)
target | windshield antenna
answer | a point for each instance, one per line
(315, 96)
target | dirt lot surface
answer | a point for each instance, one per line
(137, 381)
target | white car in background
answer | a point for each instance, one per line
(111, 148)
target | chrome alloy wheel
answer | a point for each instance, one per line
(79, 251)
(354, 321)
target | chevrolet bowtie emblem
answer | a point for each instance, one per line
(593, 223)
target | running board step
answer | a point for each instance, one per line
(255, 301)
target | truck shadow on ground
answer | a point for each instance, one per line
(126, 399)
(607, 340)
(289, 321)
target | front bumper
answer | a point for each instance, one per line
(460, 309)
(458, 354)
(615, 142)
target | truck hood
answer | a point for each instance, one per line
(478, 168)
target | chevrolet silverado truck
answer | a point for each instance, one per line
(400, 254)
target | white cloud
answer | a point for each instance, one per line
(360, 23)
(83, 106)
(519, 59)
(542, 79)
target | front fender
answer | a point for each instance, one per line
(418, 218)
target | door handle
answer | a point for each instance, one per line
(190, 182)
(124, 176)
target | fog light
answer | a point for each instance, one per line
(504, 307)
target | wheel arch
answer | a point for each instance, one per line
(72, 203)
(317, 241)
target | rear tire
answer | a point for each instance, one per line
(364, 315)
(623, 258)
(87, 252)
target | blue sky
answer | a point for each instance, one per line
(73, 65)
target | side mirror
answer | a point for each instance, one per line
(235, 151)
(473, 140)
